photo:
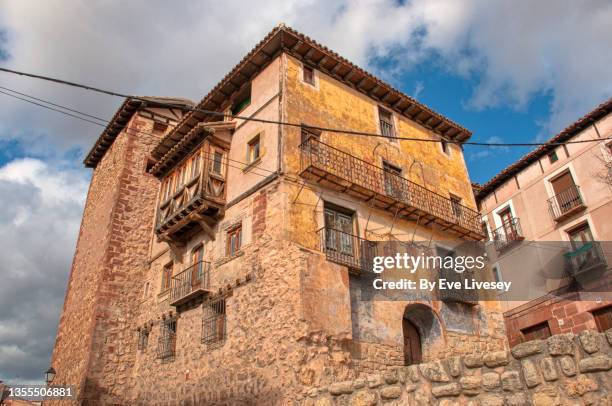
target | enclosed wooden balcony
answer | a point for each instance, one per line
(346, 173)
(566, 203)
(190, 284)
(193, 193)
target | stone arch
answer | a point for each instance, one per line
(428, 326)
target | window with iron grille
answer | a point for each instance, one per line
(143, 338)
(166, 344)
(214, 322)
(386, 123)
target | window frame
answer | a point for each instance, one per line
(167, 274)
(232, 234)
(254, 145)
(391, 122)
(311, 80)
(553, 156)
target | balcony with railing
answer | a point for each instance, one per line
(508, 234)
(587, 258)
(566, 203)
(189, 284)
(387, 190)
(347, 249)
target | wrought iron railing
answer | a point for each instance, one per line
(564, 202)
(386, 129)
(347, 249)
(193, 279)
(375, 179)
(509, 233)
(589, 256)
(166, 342)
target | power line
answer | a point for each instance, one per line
(299, 125)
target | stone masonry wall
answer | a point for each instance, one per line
(565, 369)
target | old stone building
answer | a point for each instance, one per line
(547, 217)
(219, 256)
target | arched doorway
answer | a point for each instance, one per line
(412, 343)
(422, 333)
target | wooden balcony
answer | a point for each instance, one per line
(508, 235)
(190, 284)
(566, 203)
(346, 173)
(197, 202)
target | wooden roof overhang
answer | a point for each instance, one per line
(120, 119)
(284, 39)
(187, 144)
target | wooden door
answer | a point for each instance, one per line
(508, 224)
(412, 343)
(339, 232)
(565, 193)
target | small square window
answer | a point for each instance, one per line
(253, 150)
(143, 338)
(309, 75)
(234, 241)
(552, 157)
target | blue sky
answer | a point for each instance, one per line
(508, 71)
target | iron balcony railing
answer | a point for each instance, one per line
(191, 282)
(373, 179)
(508, 234)
(588, 257)
(565, 203)
(347, 249)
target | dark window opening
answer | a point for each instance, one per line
(552, 157)
(539, 331)
(242, 101)
(166, 345)
(444, 145)
(308, 132)
(159, 127)
(217, 162)
(309, 75)
(214, 326)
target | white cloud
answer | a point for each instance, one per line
(40, 220)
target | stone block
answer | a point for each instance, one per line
(490, 380)
(547, 395)
(517, 399)
(341, 388)
(594, 364)
(568, 366)
(470, 385)
(434, 371)
(491, 400)
(561, 344)
(391, 377)
(374, 381)
(472, 360)
(450, 389)
(580, 386)
(549, 371)
(496, 359)
(511, 381)
(363, 398)
(391, 392)
(454, 366)
(609, 336)
(531, 373)
(529, 348)
(589, 340)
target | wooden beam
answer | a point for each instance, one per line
(205, 226)
(322, 60)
